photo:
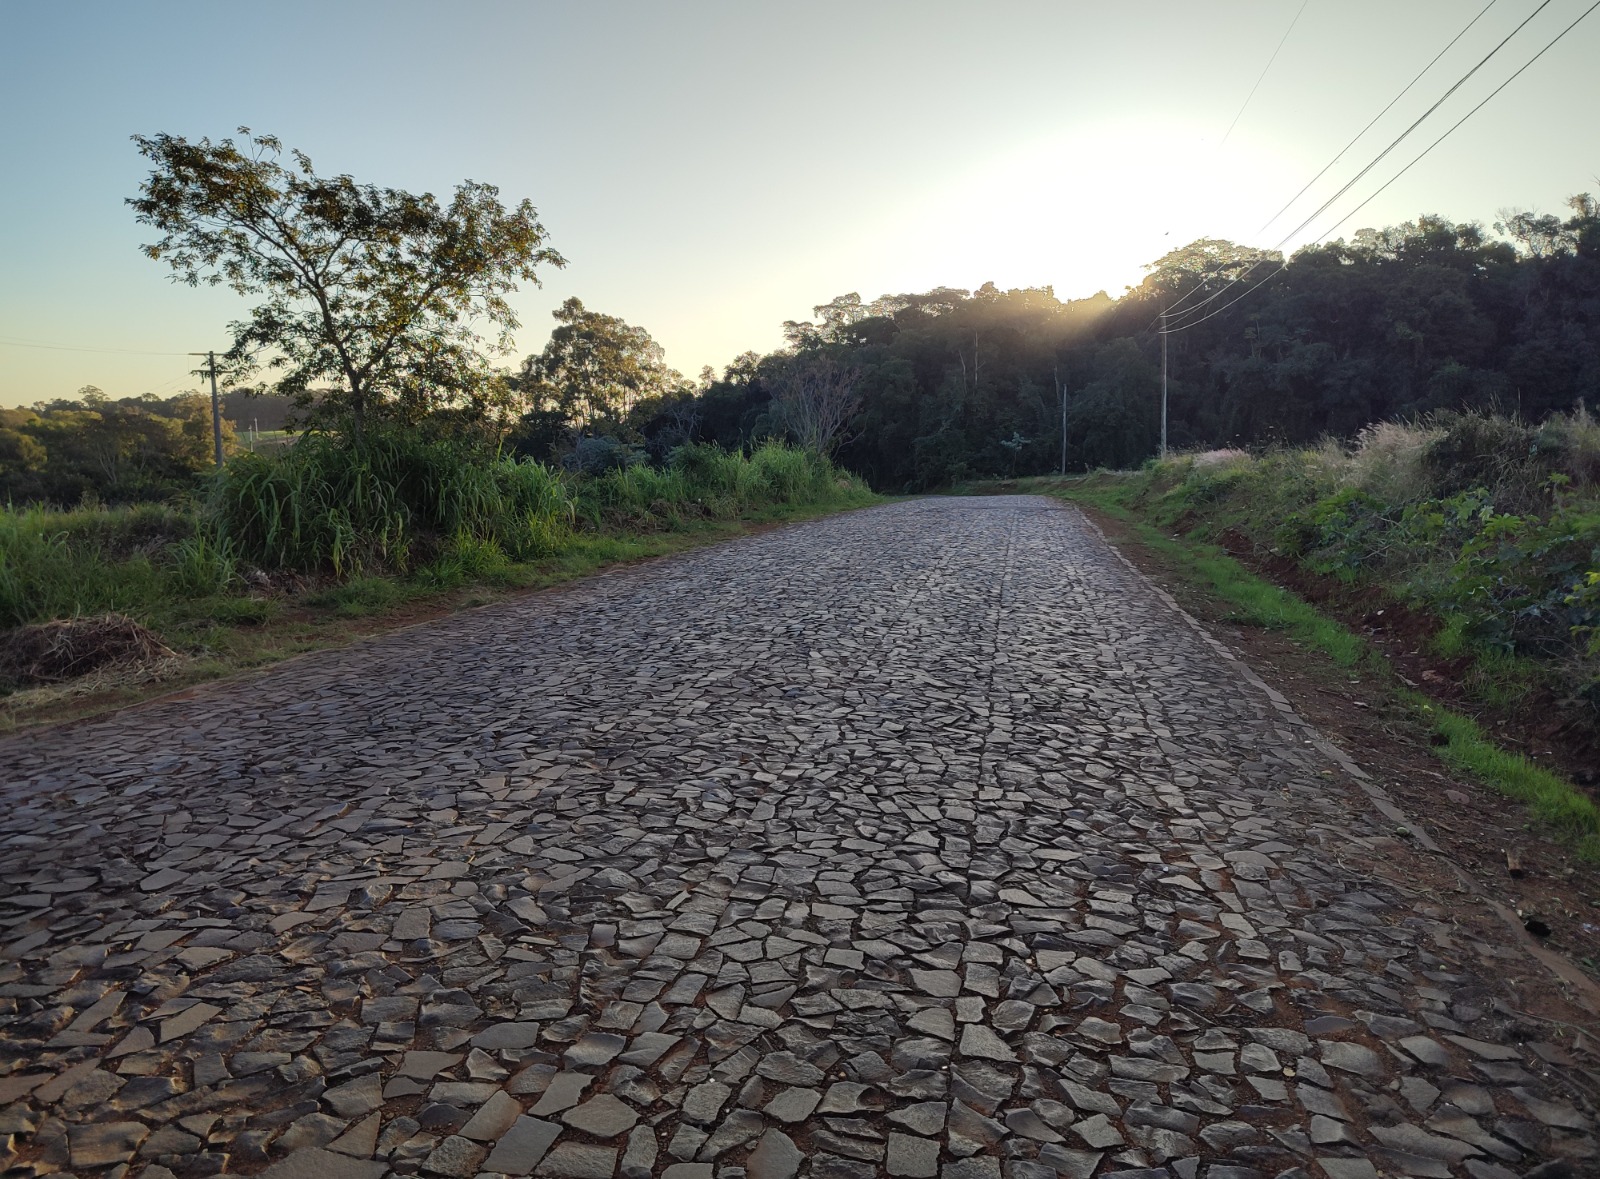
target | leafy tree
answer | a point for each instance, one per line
(1209, 262)
(596, 369)
(372, 295)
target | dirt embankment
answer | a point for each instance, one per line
(1551, 731)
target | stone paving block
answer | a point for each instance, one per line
(521, 1147)
(322, 1164)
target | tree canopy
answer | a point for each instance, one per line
(1392, 323)
(374, 298)
(96, 448)
(596, 369)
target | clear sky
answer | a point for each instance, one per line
(712, 169)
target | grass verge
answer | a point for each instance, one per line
(1550, 799)
(1458, 741)
(228, 635)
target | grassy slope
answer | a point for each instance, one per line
(1253, 601)
(225, 634)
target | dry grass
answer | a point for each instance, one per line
(1388, 461)
(66, 648)
(1220, 458)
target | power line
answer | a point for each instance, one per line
(1263, 77)
(1418, 159)
(1370, 165)
(1282, 266)
(15, 343)
(187, 378)
(1378, 116)
(1464, 118)
(1376, 160)
(1264, 72)
(1199, 286)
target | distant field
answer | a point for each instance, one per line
(265, 441)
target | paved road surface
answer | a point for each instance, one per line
(923, 841)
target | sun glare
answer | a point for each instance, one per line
(1086, 210)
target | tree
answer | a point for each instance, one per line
(596, 368)
(133, 448)
(372, 289)
(815, 397)
(1208, 260)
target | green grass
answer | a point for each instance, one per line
(361, 597)
(1553, 802)
(94, 560)
(404, 532)
(1551, 799)
(1252, 601)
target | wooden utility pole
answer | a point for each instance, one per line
(1163, 384)
(216, 405)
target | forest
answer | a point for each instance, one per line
(1391, 324)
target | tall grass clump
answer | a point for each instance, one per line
(402, 503)
(705, 482)
(328, 504)
(61, 564)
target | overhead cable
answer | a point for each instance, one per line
(1376, 159)
(1264, 72)
(1418, 159)
(1463, 119)
(1378, 116)
(14, 343)
(1240, 114)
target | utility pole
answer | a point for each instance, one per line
(216, 405)
(1163, 384)
(1062, 397)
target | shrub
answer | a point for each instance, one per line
(596, 456)
(1339, 533)
(1490, 525)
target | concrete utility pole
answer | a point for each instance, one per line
(1062, 397)
(216, 404)
(1163, 384)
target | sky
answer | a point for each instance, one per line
(710, 170)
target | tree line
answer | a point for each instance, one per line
(96, 448)
(385, 310)
(1392, 324)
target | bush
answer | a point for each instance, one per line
(1488, 524)
(597, 456)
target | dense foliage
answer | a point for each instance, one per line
(434, 513)
(1395, 322)
(97, 449)
(373, 298)
(1486, 524)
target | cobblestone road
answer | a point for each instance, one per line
(923, 841)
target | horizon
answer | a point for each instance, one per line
(668, 157)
